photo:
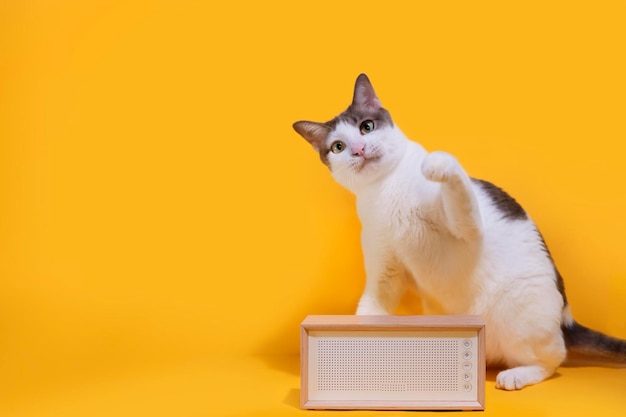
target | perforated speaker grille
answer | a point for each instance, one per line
(397, 364)
(393, 365)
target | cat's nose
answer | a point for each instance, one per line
(358, 149)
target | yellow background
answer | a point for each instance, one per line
(163, 231)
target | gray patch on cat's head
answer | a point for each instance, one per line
(508, 207)
(365, 106)
(316, 134)
(354, 116)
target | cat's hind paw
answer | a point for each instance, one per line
(440, 167)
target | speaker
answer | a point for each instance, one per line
(392, 362)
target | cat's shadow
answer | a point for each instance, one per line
(292, 398)
(492, 373)
(289, 364)
(581, 361)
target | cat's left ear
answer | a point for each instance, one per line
(364, 94)
(315, 133)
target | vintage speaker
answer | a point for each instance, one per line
(393, 362)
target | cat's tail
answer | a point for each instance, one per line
(585, 342)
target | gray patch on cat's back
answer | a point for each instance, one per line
(324, 156)
(560, 284)
(510, 209)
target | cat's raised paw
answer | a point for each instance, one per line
(440, 167)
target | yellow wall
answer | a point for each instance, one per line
(156, 206)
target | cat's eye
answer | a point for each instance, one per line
(366, 127)
(338, 147)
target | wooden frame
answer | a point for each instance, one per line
(413, 328)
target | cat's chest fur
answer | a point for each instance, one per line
(401, 219)
(402, 206)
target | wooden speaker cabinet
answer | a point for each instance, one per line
(393, 362)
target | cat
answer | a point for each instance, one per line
(463, 244)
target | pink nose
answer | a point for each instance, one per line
(358, 149)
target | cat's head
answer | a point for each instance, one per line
(359, 146)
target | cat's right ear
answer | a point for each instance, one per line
(315, 133)
(364, 94)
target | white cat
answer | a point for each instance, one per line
(465, 245)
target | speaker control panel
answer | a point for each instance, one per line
(466, 365)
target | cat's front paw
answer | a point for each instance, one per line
(518, 378)
(440, 167)
(370, 306)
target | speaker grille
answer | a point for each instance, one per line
(390, 365)
(397, 364)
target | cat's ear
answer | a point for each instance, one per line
(364, 94)
(315, 133)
